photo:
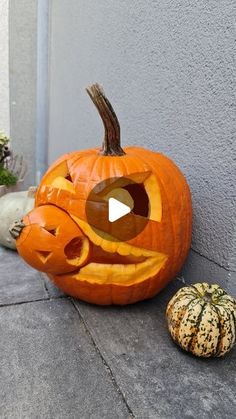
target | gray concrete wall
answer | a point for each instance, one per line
(42, 89)
(23, 78)
(168, 68)
(4, 67)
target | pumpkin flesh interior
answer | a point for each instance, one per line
(145, 183)
(133, 264)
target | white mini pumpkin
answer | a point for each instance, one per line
(13, 206)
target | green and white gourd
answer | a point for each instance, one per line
(13, 206)
(202, 319)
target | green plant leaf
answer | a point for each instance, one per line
(6, 177)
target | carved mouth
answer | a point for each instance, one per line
(132, 264)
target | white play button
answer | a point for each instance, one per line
(117, 209)
(114, 209)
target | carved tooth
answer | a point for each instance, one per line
(124, 249)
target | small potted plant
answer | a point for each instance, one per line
(12, 167)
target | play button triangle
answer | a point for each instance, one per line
(117, 209)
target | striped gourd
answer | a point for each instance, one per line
(202, 319)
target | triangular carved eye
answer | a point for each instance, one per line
(68, 177)
(139, 197)
(43, 255)
(63, 182)
(52, 231)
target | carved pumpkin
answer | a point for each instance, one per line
(52, 242)
(118, 271)
(201, 319)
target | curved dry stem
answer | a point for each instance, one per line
(111, 143)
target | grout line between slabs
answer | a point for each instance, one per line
(108, 368)
(65, 297)
(2, 305)
(46, 288)
(44, 284)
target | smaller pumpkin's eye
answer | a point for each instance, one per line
(68, 177)
(52, 231)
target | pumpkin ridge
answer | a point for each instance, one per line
(180, 318)
(226, 299)
(148, 288)
(163, 190)
(177, 298)
(230, 331)
(73, 163)
(232, 312)
(220, 326)
(166, 165)
(234, 322)
(135, 159)
(91, 159)
(95, 165)
(234, 319)
(171, 223)
(173, 300)
(196, 290)
(193, 339)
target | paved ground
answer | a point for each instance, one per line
(61, 358)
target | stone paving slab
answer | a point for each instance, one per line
(99, 362)
(158, 379)
(18, 281)
(50, 368)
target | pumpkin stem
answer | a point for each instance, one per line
(207, 297)
(16, 229)
(111, 143)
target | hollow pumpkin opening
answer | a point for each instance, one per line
(52, 231)
(140, 198)
(74, 248)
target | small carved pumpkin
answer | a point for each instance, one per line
(52, 242)
(201, 319)
(117, 271)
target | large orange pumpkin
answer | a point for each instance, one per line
(111, 271)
